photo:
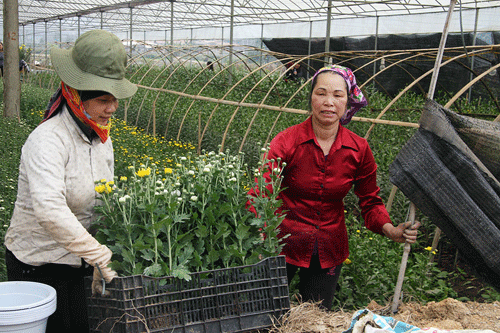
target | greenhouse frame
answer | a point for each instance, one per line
(243, 50)
(267, 33)
(211, 21)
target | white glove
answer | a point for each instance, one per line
(88, 248)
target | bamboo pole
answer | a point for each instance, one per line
(402, 268)
(274, 108)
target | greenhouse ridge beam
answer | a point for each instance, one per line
(100, 9)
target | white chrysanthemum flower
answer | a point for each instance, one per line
(183, 158)
(206, 169)
(190, 172)
(124, 198)
(194, 198)
(233, 179)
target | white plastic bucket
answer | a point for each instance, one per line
(25, 306)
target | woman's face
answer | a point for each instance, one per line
(329, 98)
(101, 108)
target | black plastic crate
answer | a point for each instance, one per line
(235, 299)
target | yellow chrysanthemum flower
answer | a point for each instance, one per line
(347, 261)
(143, 172)
(100, 188)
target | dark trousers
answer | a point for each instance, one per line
(316, 283)
(71, 312)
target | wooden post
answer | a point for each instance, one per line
(11, 79)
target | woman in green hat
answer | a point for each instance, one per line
(48, 240)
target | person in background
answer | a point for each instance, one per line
(324, 160)
(210, 65)
(295, 73)
(48, 239)
(23, 67)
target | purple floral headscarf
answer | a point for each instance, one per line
(356, 98)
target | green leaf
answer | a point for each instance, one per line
(128, 256)
(213, 255)
(149, 256)
(154, 270)
(242, 231)
(201, 231)
(182, 273)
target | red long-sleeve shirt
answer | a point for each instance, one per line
(315, 186)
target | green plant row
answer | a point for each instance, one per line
(369, 274)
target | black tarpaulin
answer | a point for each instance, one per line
(450, 169)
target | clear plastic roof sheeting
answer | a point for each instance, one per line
(211, 19)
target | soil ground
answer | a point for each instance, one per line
(448, 314)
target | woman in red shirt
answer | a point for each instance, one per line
(323, 161)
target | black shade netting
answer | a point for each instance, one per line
(450, 169)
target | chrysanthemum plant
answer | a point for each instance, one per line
(188, 218)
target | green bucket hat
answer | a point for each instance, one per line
(97, 61)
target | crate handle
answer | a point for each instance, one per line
(102, 279)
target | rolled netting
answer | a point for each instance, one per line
(450, 169)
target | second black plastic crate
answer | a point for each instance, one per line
(236, 299)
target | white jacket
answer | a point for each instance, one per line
(56, 191)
